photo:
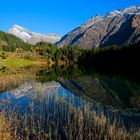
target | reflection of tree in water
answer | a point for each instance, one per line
(109, 90)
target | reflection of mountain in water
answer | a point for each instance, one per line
(112, 95)
(113, 92)
(23, 95)
(96, 92)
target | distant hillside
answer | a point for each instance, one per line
(118, 27)
(10, 42)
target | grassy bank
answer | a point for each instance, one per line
(16, 68)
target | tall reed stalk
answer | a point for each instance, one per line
(54, 117)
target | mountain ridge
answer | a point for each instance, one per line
(33, 37)
(102, 30)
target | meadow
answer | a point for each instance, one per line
(16, 68)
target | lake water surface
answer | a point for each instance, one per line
(117, 98)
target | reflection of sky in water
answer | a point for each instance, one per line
(63, 92)
(11, 103)
(19, 100)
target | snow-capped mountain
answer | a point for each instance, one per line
(20, 32)
(32, 37)
(121, 12)
(115, 28)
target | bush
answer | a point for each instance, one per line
(3, 55)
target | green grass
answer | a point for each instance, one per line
(15, 68)
(13, 62)
(21, 60)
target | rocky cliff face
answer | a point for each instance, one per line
(118, 27)
(32, 37)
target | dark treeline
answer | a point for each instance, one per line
(10, 42)
(66, 54)
(120, 60)
(75, 71)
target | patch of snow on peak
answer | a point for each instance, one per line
(121, 12)
(20, 32)
(17, 26)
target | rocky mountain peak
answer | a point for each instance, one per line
(18, 27)
(20, 32)
(93, 20)
(118, 27)
(32, 37)
(121, 12)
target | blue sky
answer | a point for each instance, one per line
(55, 16)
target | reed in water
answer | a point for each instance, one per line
(54, 117)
